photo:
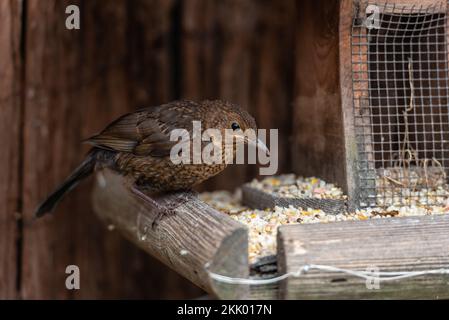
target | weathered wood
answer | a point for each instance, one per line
(389, 244)
(152, 62)
(402, 6)
(255, 198)
(74, 85)
(318, 143)
(196, 239)
(138, 72)
(349, 152)
(10, 128)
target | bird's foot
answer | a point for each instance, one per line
(161, 211)
(170, 210)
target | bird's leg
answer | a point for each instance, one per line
(161, 211)
(170, 209)
(183, 196)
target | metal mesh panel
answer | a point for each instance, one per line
(400, 87)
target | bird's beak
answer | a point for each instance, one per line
(258, 144)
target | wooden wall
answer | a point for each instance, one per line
(318, 144)
(59, 86)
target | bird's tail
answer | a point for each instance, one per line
(83, 171)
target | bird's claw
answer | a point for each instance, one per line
(162, 212)
(170, 210)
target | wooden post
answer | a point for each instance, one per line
(347, 107)
(194, 240)
(10, 158)
(389, 244)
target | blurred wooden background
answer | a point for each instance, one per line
(59, 86)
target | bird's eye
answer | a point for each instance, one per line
(235, 126)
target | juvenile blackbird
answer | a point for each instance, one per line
(138, 146)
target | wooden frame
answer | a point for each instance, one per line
(350, 149)
(353, 58)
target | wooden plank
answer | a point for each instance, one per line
(349, 152)
(150, 51)
(402, 6)
(318, 141)
(10, 157)
(76, 83)
(362, 115)
(216, 62)
(255, 198)
(53, 122)
(389, 244)
(247, 59)
(135, 73)
(196, 239)
(272, 80)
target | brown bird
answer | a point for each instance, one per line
(138, 146)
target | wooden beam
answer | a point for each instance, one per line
(347, 110)
(272, 74)
(390, 244)
(75, 83)
(78, 81)
(196, 238)
(402, 6)
(10, 158)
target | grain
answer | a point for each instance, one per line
(263, 224)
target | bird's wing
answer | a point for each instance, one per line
(144, 132)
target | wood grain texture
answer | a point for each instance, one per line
(216, 42)
(401, 6)
(241, 51)
(10, 157)
(76, 83)
(55, 114)
(347, 108)
(390, 244)
(318, 142)
(151, 57)
(195, 239)
(272, 74)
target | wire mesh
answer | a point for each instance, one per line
(400, 89)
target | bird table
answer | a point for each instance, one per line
(198, 242)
